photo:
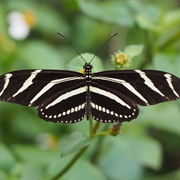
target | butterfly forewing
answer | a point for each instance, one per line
(145, 87)
(33, 87)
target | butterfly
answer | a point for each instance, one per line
(108, 96)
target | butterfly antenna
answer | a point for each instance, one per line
(103, 46)
(72, 46)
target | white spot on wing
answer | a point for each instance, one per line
(68, 111)
(93, 105)
(110, 112)
(76, 109)
(83, 105)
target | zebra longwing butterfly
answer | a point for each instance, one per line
(108, 96)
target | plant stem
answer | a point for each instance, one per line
(101, 134)
(79, 153)
(70, 164)
(91, 129)
(96, 126)
(92, 134)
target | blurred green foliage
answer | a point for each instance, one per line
(148, 147)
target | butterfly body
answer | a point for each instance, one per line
(108, 96)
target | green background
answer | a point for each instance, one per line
(148, 147)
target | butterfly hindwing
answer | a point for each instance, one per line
(68, 107)
(108, 105)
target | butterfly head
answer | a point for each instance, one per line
(87, 68)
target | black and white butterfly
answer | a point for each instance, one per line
(108, 96)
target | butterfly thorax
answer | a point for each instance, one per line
(88, 73)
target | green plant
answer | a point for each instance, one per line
(30, 147)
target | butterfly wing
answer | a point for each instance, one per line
(109, 105)
(66, 107)
(116, 94)
(43, 87)
(23, 86)
(145, 87)
(61, 96)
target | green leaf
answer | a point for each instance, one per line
(129, 152)
(166, 62)
(108, 11)
(74, 142)
(168, 38)
(81, 169)
(171, 175)
(3, 29)
(85, 169)
(27, 171)
(171, 18)
(146, 23)
(7, 160)
(38, 54)
(164, 116)
(147, 15)
(133, 50)
(3, 175)
(117, 164)
(142, 148)
(35, 155)
(77, 63)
